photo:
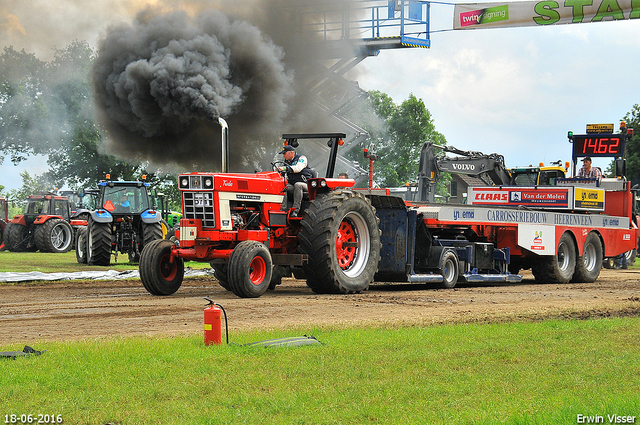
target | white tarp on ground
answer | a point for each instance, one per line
(93, 275)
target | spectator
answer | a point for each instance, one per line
(588, 171)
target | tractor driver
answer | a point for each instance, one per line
(125, 205)
(298, 172)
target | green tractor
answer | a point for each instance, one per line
(124, 221)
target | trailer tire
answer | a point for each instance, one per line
(220, 270)
(588, 266)
(55, 235)
(332, 220)
(449, 269)
(631, 256)
(98, 243)
(249, 269)
(557, 268)
(158, 275)
(81, 245)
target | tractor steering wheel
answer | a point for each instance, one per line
(277, 164)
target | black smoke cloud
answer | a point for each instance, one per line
(161, 82)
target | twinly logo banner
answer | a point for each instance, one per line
(547, 12)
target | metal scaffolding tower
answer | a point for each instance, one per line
(350, 31)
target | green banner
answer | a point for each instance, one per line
(545, 12)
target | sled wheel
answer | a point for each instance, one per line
(449, 269)
(249, 269)
(158, 275)
(341, 237)
(81, 245)
(588, 266)
(557, 268)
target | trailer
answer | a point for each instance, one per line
(343, 240)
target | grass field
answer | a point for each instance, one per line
(515, 373)
(549, 372)
(54, 263)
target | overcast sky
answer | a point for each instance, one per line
(512, 91)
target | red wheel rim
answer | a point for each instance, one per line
(257, 270)
(168, 270)
(346, 255)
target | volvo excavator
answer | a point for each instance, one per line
(490, 168)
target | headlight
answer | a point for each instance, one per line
(323, 183)
(314, 183)
(208, 182)
(184, 182)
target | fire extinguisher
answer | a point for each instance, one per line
(213, 323)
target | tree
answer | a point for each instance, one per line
(397, 134)
(30, 186)
(25, 116)
(633, 146)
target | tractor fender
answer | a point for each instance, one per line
(149, 217)
(19, 219)
(101, 216)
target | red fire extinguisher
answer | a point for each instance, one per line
(213, 323)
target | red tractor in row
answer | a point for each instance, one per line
(44, 225)
(4, 218)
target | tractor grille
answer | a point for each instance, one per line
(199, 205)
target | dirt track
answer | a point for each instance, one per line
(69, 311)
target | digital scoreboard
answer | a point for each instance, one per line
(604, 144)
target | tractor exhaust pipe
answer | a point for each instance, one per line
(225, 145)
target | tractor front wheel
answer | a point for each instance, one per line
(249, 269)
(158, 274)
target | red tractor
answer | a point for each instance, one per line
(4, 218)
(235, 222)
(43, 226)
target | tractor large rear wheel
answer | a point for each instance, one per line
(158, 274)
(4, 238)
(98, 243)
(2, 228)
(220, 270)
(19, 239)
(150, 232)
(249, 269)
(55, 235)
(341, 236)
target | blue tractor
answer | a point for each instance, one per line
(124, 221)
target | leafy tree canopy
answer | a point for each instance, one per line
(397, 134)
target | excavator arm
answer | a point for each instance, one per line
(490, 168)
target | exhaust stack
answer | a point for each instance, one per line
(224, 145)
